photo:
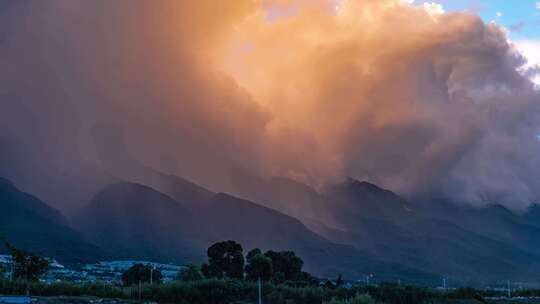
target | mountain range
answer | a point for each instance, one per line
(352, 228)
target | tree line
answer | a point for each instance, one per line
(226, 260)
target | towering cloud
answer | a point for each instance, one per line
(424, 102)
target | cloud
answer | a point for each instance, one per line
(433, 8)
(420, 101)
(531, 50)
(424, 114)
(538, 5)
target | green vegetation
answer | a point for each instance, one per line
(191, 273)
(222, 291)
(225, 260)
(259, 266)
(357, 299)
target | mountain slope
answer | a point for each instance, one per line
(140, 222)
(378, 220)
(257, 226)
(135, 221)
(29, 223)
(493, 221)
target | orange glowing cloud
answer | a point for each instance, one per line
(415, 99)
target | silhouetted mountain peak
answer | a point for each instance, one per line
(364, 199)
(131, 195)
(356, 185)
(31, 224)
(4, 181)
(137, 221)
(355, 190)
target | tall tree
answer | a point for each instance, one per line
(286, 265)
(252, 253)
(259, 266)
(339, 281)
(225, 259)
(141, 273)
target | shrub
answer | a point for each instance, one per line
(362, 299)
(191, 273)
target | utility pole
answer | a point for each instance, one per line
(509, 291)
(444, 283)
(151, 275)
(11, 272)
(259, 289)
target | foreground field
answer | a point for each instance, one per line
(225, 291)
(66, 300)
(97, 300)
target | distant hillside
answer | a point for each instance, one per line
(135, 221)
(29, 223)
(353, 228)
(466, 247)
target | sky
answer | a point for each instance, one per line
(521, 18)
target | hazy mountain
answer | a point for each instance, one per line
(394, 230)
(29, 223)
(136, 221)
(493, 221)
(367, 229)
(382, 223)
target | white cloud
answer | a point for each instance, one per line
(531, 50)
(433, 8)
(538, 5)
(499, 14)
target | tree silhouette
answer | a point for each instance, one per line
(141, 273)
(225, 259)
(259, 266)
(191, 273)
(286, 265)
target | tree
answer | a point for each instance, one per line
(329, 285)
(252, 253)
(225, 259)
(141, 273)
(286, 263)
(339, 281)
(259, 266)
(305, 278)
(26, 265)
(190, 273)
